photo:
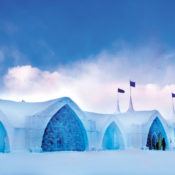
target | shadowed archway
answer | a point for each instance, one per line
(112, 139)
(156, 134)
(64, 132)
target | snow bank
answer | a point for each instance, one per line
(129, 162)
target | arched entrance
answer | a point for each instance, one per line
(112, 139)
(156, 135)
(4, 142)
(64, 132)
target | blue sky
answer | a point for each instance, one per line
(87, 42)
(53, 32)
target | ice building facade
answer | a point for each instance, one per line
(60, 125)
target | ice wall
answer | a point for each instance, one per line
(64, 132)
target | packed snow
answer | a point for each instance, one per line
(127, 162)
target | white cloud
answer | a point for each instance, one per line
(93, 83)
(27, 79)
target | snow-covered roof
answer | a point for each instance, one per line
(127, 119)
(17, 112)
(57, 104)
(137, 117)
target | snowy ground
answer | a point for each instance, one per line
(130, 162)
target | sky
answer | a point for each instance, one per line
(86, 49)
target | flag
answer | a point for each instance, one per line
(173, 95)
(133, 84)
(121, 90)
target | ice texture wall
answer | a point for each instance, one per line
(64, 132)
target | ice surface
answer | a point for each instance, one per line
(64, 132)
(113, 138)
(4, 142)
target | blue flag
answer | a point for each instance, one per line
(173, 95)
(133, 84)
(121, 90)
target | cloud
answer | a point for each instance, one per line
(93, 83)
(13, 55)
(28, 79)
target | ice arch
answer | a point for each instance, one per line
(4, 142)
(156, 134)
(64, 132)
(113, 139)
